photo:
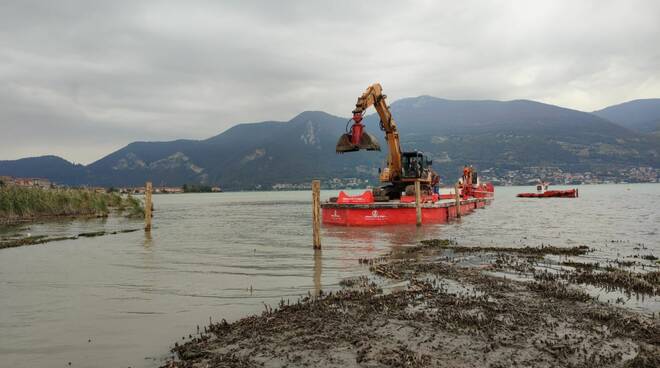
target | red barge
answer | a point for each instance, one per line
(435, 210)
(410, 183)
(363, 210)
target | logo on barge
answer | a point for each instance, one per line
(375, 216)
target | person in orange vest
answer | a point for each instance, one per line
(435, 183)
(467, 181)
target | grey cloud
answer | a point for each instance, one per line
(78, 78)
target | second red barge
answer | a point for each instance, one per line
(543, 192)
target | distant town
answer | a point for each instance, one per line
(503, 177)
(500, 177)
(47, 184)
(558, 176)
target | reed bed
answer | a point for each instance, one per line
(18, 204)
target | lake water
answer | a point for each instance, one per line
(122, 300)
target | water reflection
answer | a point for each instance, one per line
(148, 240)
(368, 239)
(318, 267)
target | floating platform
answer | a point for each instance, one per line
(434, 211)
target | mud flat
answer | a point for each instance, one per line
(423, 307)
(42, 239)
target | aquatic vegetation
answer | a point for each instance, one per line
(638, 282)
(538, 251)
(558, 290)
(581, 265)
(19, 204)
(354, 281)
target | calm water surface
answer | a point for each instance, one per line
(122, 300)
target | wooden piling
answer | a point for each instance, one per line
(418, 202)
(458, 200)
(316, 212)
(147, 206)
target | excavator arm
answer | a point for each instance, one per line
(358, 139)
(403, 168)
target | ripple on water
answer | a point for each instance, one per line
(224, 255)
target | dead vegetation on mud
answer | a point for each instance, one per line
(42, 239)
(488, 322)
(631, 282)
(535, 251)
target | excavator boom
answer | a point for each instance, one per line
(403, 168)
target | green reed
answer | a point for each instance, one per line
(19, 203)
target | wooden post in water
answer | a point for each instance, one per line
(458, 200)
(147, 206)
(316, 212)
(418, 202)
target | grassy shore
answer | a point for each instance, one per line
(19, 204)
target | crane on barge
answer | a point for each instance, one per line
(403, 168)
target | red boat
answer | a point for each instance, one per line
(543, 192)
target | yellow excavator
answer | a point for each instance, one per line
(403, 168)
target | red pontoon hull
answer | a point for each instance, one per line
(363, 210)
(570, 193)
(396, 212)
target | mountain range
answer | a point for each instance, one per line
(639, 115)
(502, 135)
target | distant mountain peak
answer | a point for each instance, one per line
(51, 158)
(311, 115)
(653, 102)
(418, 101)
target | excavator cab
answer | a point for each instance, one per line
(357, 139)
(415, 165)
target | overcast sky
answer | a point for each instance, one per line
(80, 79)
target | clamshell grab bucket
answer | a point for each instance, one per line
(357, 140)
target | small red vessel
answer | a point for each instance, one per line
(543, 192)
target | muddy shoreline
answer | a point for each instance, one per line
(10, 221)
(444, 313)
(42, 239)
